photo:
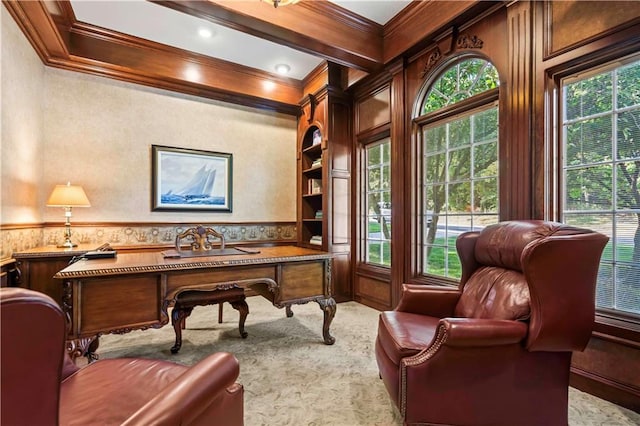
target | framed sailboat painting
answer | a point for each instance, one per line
(190, 179)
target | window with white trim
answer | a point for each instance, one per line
(600, 185)
(378, 202)
(459, 161)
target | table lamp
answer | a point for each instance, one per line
(68, 196)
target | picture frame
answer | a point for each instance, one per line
(193, 180)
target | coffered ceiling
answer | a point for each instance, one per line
(157, 43)
(155, 22)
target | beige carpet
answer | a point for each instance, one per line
(292, 378)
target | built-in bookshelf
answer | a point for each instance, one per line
(323, 213)
(312, 188)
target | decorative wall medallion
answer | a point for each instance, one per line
(465, 41)
(431, 62)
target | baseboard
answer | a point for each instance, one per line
(609, 390)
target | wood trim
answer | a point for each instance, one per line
(89, 49)
(39, 27)
(614, 328)
(163, 223)
(129, 58)
(367, 294)
(548, 26)
(609, 390)
(15, 226)
(194, 264)
(319, 28)
(374, 134)
(399, 190)
(421, 20)
(371, 84)
(516, 141)
(316, 81)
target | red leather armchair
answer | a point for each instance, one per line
(496, 350)
(40, 385)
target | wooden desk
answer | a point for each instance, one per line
(134, 291)
(38, 265)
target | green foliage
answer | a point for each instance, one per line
(459, 82)
(461, 166)
(589, 96)
(441, 265)
(377, 256)
(378, 180)
(460, 158)
(602, 174)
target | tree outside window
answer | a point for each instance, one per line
(601, 175)
(378, 183)
(459, 163)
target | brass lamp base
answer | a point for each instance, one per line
(68, 244)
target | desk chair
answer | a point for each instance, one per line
(201, 242)
(187, 300)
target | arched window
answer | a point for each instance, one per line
(458, 144)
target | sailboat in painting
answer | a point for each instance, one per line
(199, 190)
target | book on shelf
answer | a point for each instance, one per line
(316, 240)
(316, 163)
(318, 214)
(314, 186)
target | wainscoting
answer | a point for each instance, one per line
(147, 235)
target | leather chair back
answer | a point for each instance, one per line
(31, 367)
(510, 268)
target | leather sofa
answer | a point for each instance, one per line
(497, 349)
(40, 385)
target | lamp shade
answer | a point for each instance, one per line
(68, 196)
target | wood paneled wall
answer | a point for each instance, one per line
(532, 44)
(571, 37)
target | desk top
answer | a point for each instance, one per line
(132, 263)
(53, 251)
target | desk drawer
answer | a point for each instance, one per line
(301, 280)
(121, 303)
(183, 279)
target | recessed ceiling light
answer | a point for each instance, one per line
(192, 74)
(268, 85)
(283, 69)
(205, 33)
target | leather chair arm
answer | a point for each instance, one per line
(434, 301)
(193, 392)
(472, 332)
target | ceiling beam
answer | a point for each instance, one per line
(100, 51)
(62, 42)
(320, 28)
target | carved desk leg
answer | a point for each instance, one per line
(86, 346)
(83, 347)
(242, 307)
(178, 317)
(329, 308)
(289, 311)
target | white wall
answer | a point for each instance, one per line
(99, 132)
(60, 126)
(21, 147)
